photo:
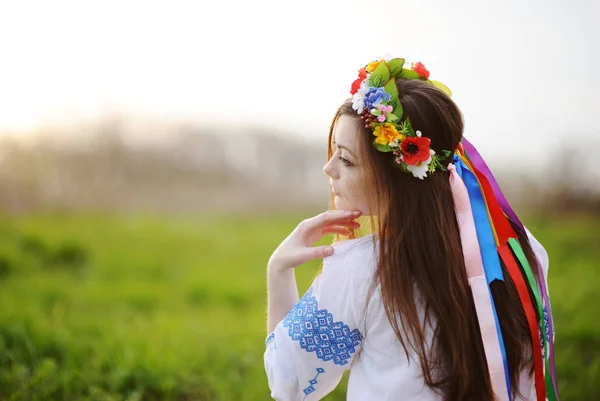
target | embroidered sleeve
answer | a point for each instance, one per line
(317, 341)
(540, 253)
(542, 257)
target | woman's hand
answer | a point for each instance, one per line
(298, 248)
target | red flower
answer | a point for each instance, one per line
(362, 74)
(415, 150)
(420, 69)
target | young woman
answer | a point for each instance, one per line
(444, 298)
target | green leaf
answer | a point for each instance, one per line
(433, 164)
(407, 128)
(392, 117)
(382, 148)
(398, 111)
(380, 75)
(442, 87)
(391, 88)
(396, 66)
(409, 74)
(437, 165)
(447, 153)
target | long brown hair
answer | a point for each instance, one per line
(421, 262)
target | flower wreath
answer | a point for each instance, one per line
(375, 99)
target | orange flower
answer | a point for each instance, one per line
(386, 133)
(371, 66)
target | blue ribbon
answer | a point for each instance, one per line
(487, 245)
(485, 235)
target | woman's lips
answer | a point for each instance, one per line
(333, 191)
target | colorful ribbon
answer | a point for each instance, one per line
(487, 245)
(503, 231)
(548, 333)
(510, 252)
(485, 233)
(484, 306)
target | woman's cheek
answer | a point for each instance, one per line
(360, 196)
(345, 201)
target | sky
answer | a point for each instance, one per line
(524, 73)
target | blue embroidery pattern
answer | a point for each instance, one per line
(316, 331)
(270, 338)
(311, 389)
(546, 333)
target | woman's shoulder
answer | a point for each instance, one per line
(540, 253)
(355, 247)
(347, 275)
(349, 255)
(537, 248)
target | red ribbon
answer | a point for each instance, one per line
(504, 231)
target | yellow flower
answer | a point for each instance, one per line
(386, 133)
(371, 66)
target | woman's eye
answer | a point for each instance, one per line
(345, 162)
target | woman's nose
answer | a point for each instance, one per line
(329, 170)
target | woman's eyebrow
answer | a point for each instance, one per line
(344, 147)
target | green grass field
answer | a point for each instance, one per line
(106, 307)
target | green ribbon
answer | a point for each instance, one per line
(518, 251)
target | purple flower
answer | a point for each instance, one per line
(375, 96)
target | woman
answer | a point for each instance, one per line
(445, 298)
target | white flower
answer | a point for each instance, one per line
(394, 143)
(418, 133)
(358, 100)
(420, 170)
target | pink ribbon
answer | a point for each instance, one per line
(482, 166)
(478, 284)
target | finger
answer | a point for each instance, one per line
(337, 230)
(317, 252)
(343, 225)
(332, 216)
(346, 223)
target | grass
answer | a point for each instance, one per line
(107, 307)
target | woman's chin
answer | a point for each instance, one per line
(339, 203)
